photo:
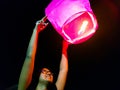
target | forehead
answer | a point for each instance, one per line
(46, 69)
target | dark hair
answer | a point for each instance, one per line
(51, 86)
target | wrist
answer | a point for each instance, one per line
(65, 47)
(64, 51)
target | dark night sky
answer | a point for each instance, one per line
(94, 64)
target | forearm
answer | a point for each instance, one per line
(64, 63)
(64, 57)
(62, 76)
(31, 50)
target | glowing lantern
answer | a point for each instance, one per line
(74, 20)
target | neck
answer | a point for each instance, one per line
(42, 85)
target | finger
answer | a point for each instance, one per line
(46, 24)
(44, 18)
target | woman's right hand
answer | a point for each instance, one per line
(41, 25)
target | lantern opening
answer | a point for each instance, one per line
(78, 28)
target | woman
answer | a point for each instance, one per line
(46, 76)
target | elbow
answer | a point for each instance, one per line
(66, 68)
(65, 71)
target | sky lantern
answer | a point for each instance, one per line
(74, 20)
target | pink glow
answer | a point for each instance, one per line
(72, 19)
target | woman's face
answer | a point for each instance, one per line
(46, 75)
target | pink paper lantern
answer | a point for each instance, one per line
(74, 20)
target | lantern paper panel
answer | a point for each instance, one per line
(74, 20)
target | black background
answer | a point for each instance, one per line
(94, 64)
